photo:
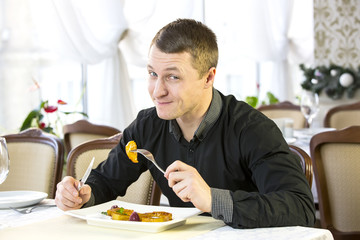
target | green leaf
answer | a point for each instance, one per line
(28, 120)
(121, 210)
(48, 130)
(272, 98)
(82, 113)
(43, 103)
(252, 101)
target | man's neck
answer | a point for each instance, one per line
(188, 128)
(189, 124)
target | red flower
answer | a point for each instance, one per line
(42, 125)
(61, 102)
(50, 109)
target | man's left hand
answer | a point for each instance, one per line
(188, 185)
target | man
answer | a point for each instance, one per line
(220, 155)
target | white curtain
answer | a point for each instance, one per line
(278, 38)
(89, 32)
(145, 21)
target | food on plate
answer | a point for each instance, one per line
(134, 217)
(131, 145)
(155, 217)
(119, 213)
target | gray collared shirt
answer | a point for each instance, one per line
(221, 201)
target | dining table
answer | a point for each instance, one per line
(53, 223)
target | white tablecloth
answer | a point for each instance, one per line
(10, 218)
(278, 233)
(54, 224)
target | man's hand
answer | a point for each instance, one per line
(188, 185)
(67, 195)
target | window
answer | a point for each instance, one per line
(238, 73)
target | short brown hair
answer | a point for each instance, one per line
(188, 35)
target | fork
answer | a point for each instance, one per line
(149, 157)
(30, 209)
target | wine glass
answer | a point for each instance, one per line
(309, 106)
(4, 160)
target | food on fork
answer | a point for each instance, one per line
(119, 213)
(131, 145)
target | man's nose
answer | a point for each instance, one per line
(160, 88)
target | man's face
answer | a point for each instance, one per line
(175, 86)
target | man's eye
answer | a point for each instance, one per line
(173, 77)
(152, 74)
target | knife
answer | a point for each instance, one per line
(86, 175)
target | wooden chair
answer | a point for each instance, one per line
(36, 162)
(82, 131)
(343, 116)
(305, 162)
(284, 109)
(336, 160)
(143, 191)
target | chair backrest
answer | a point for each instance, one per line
(83, 130)
(143, 191)
(284, 109)
(305, 162)
(343, 116)
(336, 162)
(36, 162)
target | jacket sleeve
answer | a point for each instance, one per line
(284, 199)
(284, 196)
(112, 177)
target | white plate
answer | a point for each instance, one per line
(93, 216)
(18, 199)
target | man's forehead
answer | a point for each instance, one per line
(167, 61)
(170, 68)
(155, 51)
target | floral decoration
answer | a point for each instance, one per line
(47, 117)
(333, 80)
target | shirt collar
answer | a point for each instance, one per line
(210, 118)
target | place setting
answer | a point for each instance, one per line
(21, 207)
(15, 199)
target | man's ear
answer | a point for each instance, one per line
(210, 77)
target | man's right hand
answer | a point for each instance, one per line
(67, 195)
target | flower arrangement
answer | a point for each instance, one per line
(47, 117)
(333, 80)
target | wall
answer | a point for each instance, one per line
(337, 41)
(337, 32)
